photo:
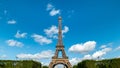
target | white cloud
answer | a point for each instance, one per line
(95, 56)
(52, 10)
(75, 60)
(66, 29)
(41, 39)
(45, 63)
(118, 48)
(83, 48)
(22, 35)
(118, 57)
(49, 7)
(103, 46)
(11, 22)
(12, 43)
(3, 56)
(100, 53)
(107, 49)
(53, 31)
(87, 57)
(42, 55)
(106, 45)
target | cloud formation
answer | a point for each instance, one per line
(66, 29)
(11, 22)
(3, 56)
(118, 48)
(52, 10)
(42, 55)
(16, 43)
(100, 53)
(75, 60)
(83, 47)
(49, 7)
(53, 31)
(103, 46)
(41, 39)
(88, 56)
(20, 35)
(95, 56)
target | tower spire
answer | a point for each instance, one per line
(60, 31)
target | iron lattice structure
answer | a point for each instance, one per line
(60, 47)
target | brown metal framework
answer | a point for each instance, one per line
(60, 47)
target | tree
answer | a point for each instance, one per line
(75, 66)
(45, 67)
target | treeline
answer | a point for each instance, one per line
(20, 64)
(110, 63)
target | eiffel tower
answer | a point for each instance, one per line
(60, 48)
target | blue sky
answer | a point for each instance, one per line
(28, 28)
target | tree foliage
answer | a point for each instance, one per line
(19, 64)
(110, 63)
(45, 67)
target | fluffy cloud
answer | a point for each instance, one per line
(75, 60)
(97, 54)
(66, 29)
(118, 57)
(3, 56)
(100, 53)
(49, 7)
(118, 48)
(103, 46)
(83, 48)
(22, 35)
(43, 55)
(11, 22)
(41, 39)
(12, 43)
(87, 57)
(53, 31)
(53, 10)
